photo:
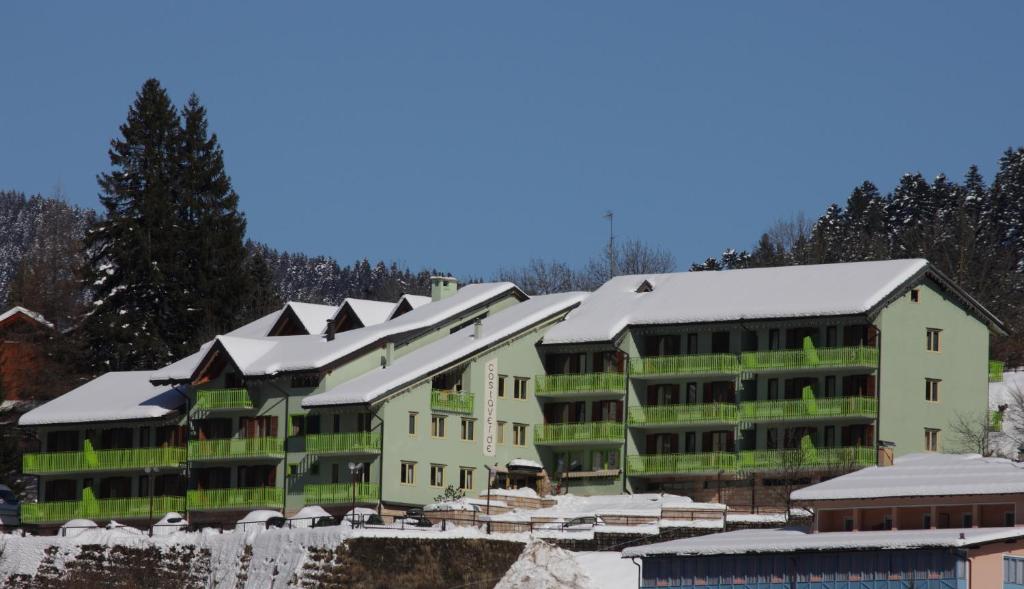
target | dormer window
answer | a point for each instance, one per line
(645, 286)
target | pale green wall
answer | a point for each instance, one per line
(961, 363)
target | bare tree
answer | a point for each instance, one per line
(541, 277)
(971, 432)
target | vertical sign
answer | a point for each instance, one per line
(490, 407)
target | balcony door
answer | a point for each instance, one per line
(718, 441)
(606, 411)
(212, 478)
(214, 429)
(573, 412)
(662, 444)
(723, 391)
(262, 475)
(661, 345)
(264, 426)
(662, 394)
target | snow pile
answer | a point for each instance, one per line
(608, 570)
(304, 517)
(256, 520)
(521, 492)
(543, 566)
(76, 527)
(459, 505)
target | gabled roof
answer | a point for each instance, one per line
(922, 475)
(16, 310)
(311, 352)
(795, 540)
(413, 301)
(853, 288)
(114, 396)
(369, 312)
(437, 356)
(313, 317)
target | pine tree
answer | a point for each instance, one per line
(262, 297)
(131, 252)
(217, 279)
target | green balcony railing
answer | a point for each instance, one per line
(562, 433)
(51, 512)
(656, 464)
(210, 399)
(350, 442)
(810, 357)
(243, 498)
(995, 370)
(335, 493)
(781, 410)
(548, 384)
(131, 458)
(683, 414)
(692, 364)
(807, 458)
(995, 421)
(451, 401)
(234, 448)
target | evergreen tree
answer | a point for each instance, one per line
(217, 279)
(262, 297)
(132, 252)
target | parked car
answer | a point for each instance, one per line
(325, 521)
(418, 521)
(10, 507)
(276, 522)
(587, 522)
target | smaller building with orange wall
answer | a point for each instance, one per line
(927, 521)
(22, 360)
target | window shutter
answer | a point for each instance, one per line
(869, 435)
(618, 411)
(730, 441)
(652, 394)
(620, 361)
(871, 335)
(651, 444)
(708, 392)
(706, 442)
(870, 392)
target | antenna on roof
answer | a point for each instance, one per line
(611, 243)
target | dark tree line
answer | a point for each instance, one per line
(970, 230)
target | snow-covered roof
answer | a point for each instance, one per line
(312, 316)
(368, 312)
(730, 295)
(413, 300)
(312, 352)
(924, 474)
(113, 396)
(259, 327)
(437, 355)
(638, 504)
(37, 317)
(794, 540)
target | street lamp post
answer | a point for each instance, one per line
(491, 473)
(354, 469)
(150, 481)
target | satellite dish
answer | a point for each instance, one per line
(351, 465)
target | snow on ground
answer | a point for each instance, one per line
(636, 505)
(543, 566)
(607, 570)
(277, 554)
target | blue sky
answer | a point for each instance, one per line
(466, 136)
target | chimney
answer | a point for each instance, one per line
(478, 329)
(389, 351)
(886, 451)
(442, 287)
(330, 330)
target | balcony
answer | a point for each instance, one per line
(269, 447)
(344, 443)
(215, 399)
(810, 358)
(52, 512)
(243, 498)
(696, 414)
(451, 401)
(839, 459)
(97, 460)
(340, 493)
(663, 464)
(554, 385)
(995, 370)
(801, 409)
(696, 364)
(579, 433)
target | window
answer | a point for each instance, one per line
(830, 436)
(691, 343)
(604, 460)
(145, 437)
(412, 423)
(773, 389)
(314, 469)
(305, 381)
(774, 341)
(501, 432)
(298, 425)
(437, 426)
(831, 336)
(436, 475)
(364, 422)
(518, 434)
(1009, 519)
(932, 337)
(848, 524)
(968, 521)
(887, 522)
(501, 385)
(691, 392)
(465, 478)
(830, 386)
(335, 473)
(467, 429)
(520, 389)
(408, 473)
(927, 521)
(931, 390)
(931, 440)
(915, 295)
(720, 342)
